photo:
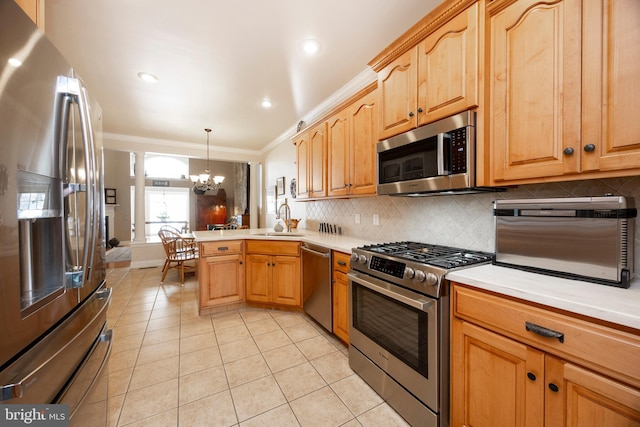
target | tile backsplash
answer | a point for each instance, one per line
(455, 220)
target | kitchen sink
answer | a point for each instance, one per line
(279, 234)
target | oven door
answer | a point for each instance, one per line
(397, 329)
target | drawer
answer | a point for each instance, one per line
(607, 350)
(341, 261)
(224, 247)
(273, 247)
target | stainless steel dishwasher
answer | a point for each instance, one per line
(316, 284)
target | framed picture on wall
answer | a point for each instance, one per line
(110, 196)
(280, 186)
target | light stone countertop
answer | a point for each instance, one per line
(608, 303)
(336, 242)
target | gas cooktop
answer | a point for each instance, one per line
(437, 255)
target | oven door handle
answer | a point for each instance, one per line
(407, 297)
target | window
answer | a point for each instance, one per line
(163, 206)
(162, 166)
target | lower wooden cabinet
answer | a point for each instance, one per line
(221, 269)
(341, 296)
(503, 375)
(273, 273)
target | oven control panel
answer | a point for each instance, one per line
(387, 266)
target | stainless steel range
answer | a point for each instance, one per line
(399, 326)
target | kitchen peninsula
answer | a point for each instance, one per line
(258, 266)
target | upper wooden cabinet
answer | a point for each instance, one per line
(436, 78)
(317, 160)
(336, 157)
(311, 159)
(562, 85)
(34, 9)
(352, 138)
(302, 154)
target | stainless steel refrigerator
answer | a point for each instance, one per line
(54, 340)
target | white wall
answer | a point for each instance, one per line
(280, 162)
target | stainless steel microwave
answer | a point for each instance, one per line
(435, 158)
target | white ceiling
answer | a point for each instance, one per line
(217, 60)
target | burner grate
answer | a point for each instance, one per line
(442, 256)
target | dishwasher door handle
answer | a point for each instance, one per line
(322, 254)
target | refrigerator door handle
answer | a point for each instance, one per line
(88, 224)
(66, 94)
(93, 176)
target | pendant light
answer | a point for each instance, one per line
(205, 182)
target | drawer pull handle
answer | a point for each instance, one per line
(223, 248)
(544, 332)
(342, 263)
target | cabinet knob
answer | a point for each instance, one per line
(531, 376)
(568, 151)
(411, 114)
(554, 388)
(589, 148)
(419, 109)
(240, 262)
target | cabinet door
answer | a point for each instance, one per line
(448, 68)
(222, 280)
(258, 278)
(398, 86)
(286, 282)
(302, 161)
(364, 137)
(576, 397)
(341, 306)
(534, 88)
(338, 154)
(318, 161)
(611, 91)
(495, 381)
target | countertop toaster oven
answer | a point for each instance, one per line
(585, 238)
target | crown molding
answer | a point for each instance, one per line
(366, 77)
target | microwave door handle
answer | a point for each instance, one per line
(440, 154)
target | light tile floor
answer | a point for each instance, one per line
(246, 367)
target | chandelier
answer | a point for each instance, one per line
(205, 182)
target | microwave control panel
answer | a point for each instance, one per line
(458, 150)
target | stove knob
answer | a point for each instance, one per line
(362, 259)
(409, 273)
(420, 276)
(354, 257)
(432, 279)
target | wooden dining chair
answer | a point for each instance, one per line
(181, 253)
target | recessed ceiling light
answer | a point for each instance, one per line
(310, 46)
(266, 103)
(147, 77)
(15, 62)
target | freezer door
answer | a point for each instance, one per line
(41, 373)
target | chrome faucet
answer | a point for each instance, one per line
(287, 214)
